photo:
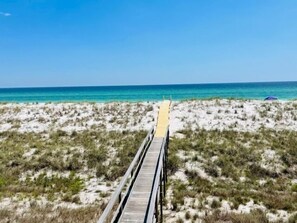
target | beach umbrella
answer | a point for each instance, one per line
(270, 98)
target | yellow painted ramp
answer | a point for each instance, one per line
(163, 119)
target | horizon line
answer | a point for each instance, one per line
(146, 85)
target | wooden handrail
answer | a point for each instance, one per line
(150, 215)
(130, 174)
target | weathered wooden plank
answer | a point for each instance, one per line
(138, 200)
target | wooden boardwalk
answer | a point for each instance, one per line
(140, 193)
(138, 201)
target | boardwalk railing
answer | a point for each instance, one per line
(155, 208)
(118, 200)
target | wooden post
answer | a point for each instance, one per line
(156, 209)
(165, 163)
(164, 174)
(121, 207)
(161, 196)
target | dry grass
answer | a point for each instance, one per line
(49, 215)
(253, 217)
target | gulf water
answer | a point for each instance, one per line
(281, 90)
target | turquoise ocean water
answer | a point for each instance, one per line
(282, 90)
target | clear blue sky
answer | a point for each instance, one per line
(107, 42)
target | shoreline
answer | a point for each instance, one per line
(145, 101)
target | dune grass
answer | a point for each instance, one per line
(235, 170)
(58, 165)
(50, 214)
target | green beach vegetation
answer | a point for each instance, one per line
(58, 167)
(212, 168)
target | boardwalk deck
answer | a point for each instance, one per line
(138, 201)
(137, 205)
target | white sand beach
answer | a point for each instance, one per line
(44, 118)
(239, 115)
